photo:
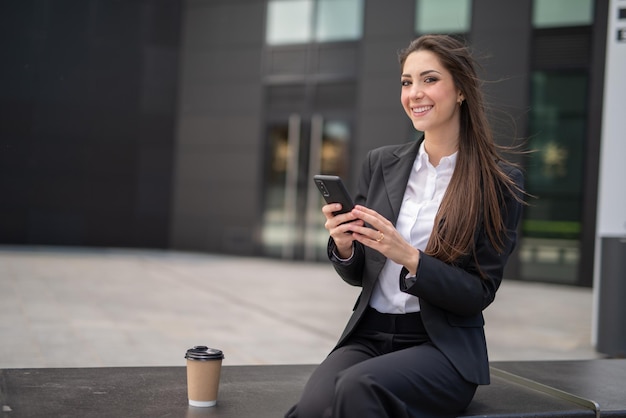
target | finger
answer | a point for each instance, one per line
(335, 226)
(368, 234)
(333, 220)
(330, 209)
(374, 240)
(376, 220)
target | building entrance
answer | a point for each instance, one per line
(299, 146)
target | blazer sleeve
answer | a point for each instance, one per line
(351, 271)
(461, 290)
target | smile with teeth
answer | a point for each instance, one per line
(421, 109)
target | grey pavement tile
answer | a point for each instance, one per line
(73, 307)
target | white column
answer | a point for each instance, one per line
(611, 209)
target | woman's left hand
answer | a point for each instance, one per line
(383, 237)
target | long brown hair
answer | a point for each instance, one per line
(475, 191)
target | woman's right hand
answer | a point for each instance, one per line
(339, 228)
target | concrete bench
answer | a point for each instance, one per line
(590, 388)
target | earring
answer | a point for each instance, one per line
(460, 102)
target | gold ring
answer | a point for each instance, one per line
(381, 237)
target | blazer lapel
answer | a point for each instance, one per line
(396, 169)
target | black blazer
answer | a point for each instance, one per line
(452, 298)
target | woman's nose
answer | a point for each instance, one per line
(417, 92)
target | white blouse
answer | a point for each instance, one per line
(424, 192)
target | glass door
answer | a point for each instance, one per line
(298, 147)
(552, 225)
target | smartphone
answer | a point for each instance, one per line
(334, 191)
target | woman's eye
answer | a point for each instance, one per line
(429, 80)
(405, 83)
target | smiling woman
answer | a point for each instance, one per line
(433, 226)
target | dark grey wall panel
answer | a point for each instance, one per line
(220, 97)
(381, 57)
(87, 97)
(337, 59)
(224, 64)
(389, 27)
(199, 130)
(386, 20)
(559, 49)
(287, 60)
(501, 39)
(216, 182)
(223, 24)
(592, 147)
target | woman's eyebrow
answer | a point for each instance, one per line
(423, 73)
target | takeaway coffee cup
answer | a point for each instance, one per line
(204, 365)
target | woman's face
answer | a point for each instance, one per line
(429, 96)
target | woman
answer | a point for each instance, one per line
(433, 226)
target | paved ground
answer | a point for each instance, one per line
(68, 307)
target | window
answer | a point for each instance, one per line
(552, 222)
(558, 13)
(338, 20)
(289, 21)
(303, 21)
(443, 16)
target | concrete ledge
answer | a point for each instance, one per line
(518, 389)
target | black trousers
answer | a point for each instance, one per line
(389, 368)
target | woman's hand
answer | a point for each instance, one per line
(339, 228)
(382, 236)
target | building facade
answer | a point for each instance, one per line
(276, 91)
(266, 93)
